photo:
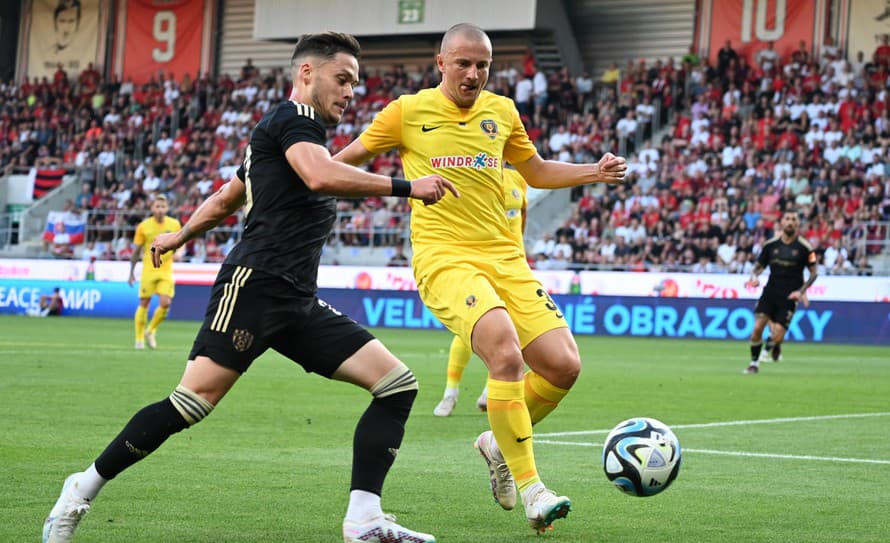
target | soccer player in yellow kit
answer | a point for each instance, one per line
(153, 280)
(515, 204)
(470, 271)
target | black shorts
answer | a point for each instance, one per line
(777, 307)
(251, 311)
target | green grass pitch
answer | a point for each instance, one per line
(798, 453)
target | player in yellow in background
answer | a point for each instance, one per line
(471, 273)
(153, 280)
(515, 207)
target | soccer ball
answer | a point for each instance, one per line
(641, 456)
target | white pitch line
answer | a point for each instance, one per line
(729, 423)
(738, 453)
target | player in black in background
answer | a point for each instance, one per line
(786, 256)
(265, 296)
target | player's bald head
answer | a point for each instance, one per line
(468, 32)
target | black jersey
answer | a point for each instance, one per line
(786, 262)
(285, 224)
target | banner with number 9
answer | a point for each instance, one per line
(163, 37)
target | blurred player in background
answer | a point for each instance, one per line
(515, 204)
(471, 272)
(786, 256)
(266, 296)
(153, 280)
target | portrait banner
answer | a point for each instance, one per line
(163, 36)
(869, 22)
(62, 32)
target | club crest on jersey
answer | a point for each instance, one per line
(490, 128)
(471, 300)
(242, 340)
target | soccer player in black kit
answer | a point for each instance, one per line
(265, 296)
(786, 256)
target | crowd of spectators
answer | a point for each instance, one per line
(745, 141)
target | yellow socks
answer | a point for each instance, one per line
(541, 397)
(458, 358)
(140, 318)
(157, 318)
(512, 428)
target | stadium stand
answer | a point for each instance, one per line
(715, 153)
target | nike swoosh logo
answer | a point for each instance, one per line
(426, 128)
(521, 439)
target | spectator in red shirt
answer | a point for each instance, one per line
(88, 80)
(882, 53)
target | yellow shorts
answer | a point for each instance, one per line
(152, 283)
(458, 287)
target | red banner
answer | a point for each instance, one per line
(163, 36)
(46, 180)
(751, 24)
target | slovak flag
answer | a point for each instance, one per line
(64, 227)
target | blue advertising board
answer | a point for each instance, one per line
(830, 322)
(81, 298)
(702, 318)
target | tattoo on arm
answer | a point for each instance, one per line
(811, 280)
(185, 234)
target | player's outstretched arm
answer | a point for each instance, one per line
(355, 153)
(552, 174)
(210, 213)
(322, 173)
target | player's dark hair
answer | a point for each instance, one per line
(326, 45)
(65, 5)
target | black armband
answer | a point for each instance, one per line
(400, 187)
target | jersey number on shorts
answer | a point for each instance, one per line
(548, 302)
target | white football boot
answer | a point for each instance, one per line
(382, 529)
(482, 401)
(543, 506)
(66, 514)
(446, 406)
(503, 487)
(765, 356)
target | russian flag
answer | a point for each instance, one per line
(64, 227)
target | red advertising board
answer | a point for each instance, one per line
(162, 36)
(751, 24)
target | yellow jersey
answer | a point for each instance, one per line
(515, 200)
(146, 232)
(466, 146)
